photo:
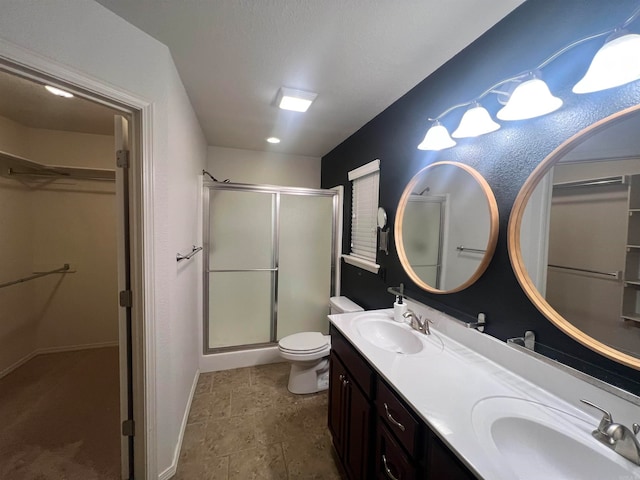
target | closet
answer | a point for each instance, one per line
(59, 330)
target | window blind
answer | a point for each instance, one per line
(364, 211)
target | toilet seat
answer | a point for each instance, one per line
(304, 343)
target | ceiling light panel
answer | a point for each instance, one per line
(295, 100)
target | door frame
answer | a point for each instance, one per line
(27, 64)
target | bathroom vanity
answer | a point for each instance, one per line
(376, 434)
(459, 404)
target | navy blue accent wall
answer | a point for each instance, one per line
(525, 38)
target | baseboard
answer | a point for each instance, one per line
(18, 364)
(171, 470)
(42, 351)
(73, 348)
(239, 359)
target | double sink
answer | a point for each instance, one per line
(524, 438)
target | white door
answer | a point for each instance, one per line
(121, 135)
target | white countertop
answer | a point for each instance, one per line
(446, 381)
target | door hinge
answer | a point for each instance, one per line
(128, 428)
(126, 298)
(122, 158)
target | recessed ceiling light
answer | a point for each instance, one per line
(273, 140)
(295, 100)
(58, 92)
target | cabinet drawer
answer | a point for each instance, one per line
(391, 460)
(359, 369)
(397, 417)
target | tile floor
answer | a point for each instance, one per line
(244, 424)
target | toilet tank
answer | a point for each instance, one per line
(343, 305)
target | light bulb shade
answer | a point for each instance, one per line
(476, 121)
(437, 138)
(532, 98)
(616, 63)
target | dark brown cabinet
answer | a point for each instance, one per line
(375, 433)
(391, 460)
(443, 464)
(349, 420)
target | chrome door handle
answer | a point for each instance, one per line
(391, 419)
(387, 470)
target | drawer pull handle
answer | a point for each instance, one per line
(341, 377)
(387, 470)
(391, 419)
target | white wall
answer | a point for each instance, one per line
(88, 40)
(266, 168)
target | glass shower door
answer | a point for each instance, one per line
(241, 268)
(304, 263)
(422, 236)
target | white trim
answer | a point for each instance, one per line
(173, 468)
(338, 240)
(361, 263)
(143, 280)
(365, 169)
(142, 255)
(214, 362)
(47, 350)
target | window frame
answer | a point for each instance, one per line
(368, 210)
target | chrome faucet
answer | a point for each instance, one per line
(417, 322)
(616, 436)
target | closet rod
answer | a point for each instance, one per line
(594, 182)
(64, 269)
(57, 176)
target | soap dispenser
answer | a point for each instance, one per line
(399, 306)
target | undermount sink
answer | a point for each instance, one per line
(381, 331)
(537, 441)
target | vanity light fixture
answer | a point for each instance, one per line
(295, 100)
(476, 121)
(616, 63)
(58, 92)
(273, 140)
(437, 138)
(531, 98)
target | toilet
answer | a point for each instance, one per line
(308, 353)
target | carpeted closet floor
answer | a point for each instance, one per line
(59, 418)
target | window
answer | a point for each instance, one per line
(364, 212)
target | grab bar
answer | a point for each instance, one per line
(617, 275)
(194, 250)
(467, 249)
(64, 269)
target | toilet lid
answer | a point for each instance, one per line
(304, 342)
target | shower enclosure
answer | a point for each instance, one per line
(423, 232)
(269, 263)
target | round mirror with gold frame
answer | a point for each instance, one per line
(446, 227)
(574, 237)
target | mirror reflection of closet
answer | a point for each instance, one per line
(580, 239)
(446, 227)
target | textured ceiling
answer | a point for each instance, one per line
(359, 56)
